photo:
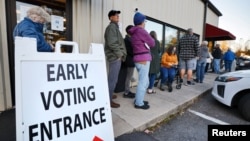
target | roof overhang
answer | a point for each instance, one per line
(214, 33)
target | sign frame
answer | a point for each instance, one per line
(40, 91)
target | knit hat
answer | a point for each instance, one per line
(139, 18)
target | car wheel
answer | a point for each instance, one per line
(243, 107)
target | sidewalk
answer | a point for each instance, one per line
(127, 119)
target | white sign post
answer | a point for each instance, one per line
(61, 96)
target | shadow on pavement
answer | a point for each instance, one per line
(8, 125)
(135, 136)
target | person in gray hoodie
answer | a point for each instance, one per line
(201, 62)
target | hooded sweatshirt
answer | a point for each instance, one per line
(140, 37)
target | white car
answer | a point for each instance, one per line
(233, 89)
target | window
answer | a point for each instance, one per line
(171, 36)
(53, 31)
(157, 27)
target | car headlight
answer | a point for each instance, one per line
(227, 78)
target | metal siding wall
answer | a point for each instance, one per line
(81, 24)
(212, 18)
(97, 16)
(5, 91)
(180, 13)
(90, 20)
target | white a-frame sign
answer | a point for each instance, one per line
(61, 96)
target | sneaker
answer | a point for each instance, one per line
(170, 89)
(181, 80)
(129, 95)
(190, 83)
(145, 102)
(196, 80)
(162, 87)
(145, 107)
(114, 105)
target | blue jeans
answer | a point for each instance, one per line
(114, 68)
(228, 65)
(217, 66)
(200, 70)
(143, 71)
(152, 77)
(167, 75)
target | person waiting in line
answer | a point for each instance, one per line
(154, 64)
(228, 58)
(32, 26)
(209, 62)
(129, 65)
(169, 63)
(201, 62)
(141, 42)
(188, 53)
(115, 52)
(217, 55)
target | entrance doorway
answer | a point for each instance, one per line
(15, 11)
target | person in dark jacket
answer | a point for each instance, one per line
(128, 64)
(115, 52)
(228, 58)
(154, 64)
(32, 26)
(217, 54)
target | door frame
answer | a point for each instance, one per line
(11, 21)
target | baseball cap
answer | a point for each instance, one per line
(113, 12)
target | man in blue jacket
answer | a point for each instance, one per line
(228, 57)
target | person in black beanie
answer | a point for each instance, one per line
(129, 64)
